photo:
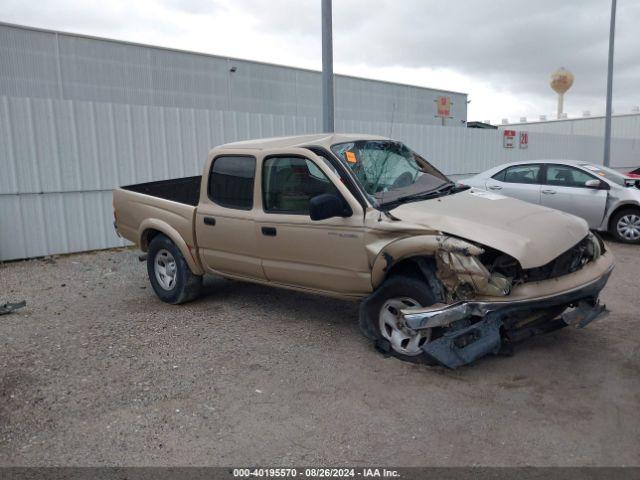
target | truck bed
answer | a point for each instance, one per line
(155, 205)
(182, 190)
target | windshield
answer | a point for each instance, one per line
(389, 170)
(608, 173)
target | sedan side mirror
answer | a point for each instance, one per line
(597, 184)
(328, 205)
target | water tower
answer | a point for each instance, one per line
(561, 81)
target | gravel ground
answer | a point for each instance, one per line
(97, 371)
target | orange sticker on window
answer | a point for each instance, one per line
(351, 157)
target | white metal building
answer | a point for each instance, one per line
(622, 126)
(40, 63)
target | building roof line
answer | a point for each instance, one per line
(559, 120)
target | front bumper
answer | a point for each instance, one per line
(443, 315)
(466, 341)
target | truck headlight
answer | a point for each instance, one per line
(595, 247)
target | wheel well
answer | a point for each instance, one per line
(422, 268)
(627, 206)
(407, 266)
(148, 235)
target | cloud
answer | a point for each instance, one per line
(500, 52)
(509, 47)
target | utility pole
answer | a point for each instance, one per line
(607, 119)
(327, 69)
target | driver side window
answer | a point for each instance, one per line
(564, 176)
(288, 183)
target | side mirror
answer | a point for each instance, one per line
(328, 205)
(597, 184)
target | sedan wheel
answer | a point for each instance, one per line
(628, 227)
(391, 327)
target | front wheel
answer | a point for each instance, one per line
(625, 226)
(169, 274)
(381, 321)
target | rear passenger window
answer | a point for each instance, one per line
(522, 174)
(231, 182)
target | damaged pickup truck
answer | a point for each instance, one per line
(446, 273)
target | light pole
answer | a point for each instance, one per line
(327, 69)
(607, 118)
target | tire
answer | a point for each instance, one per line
(625, 226)
(177, 284)
(397, 292)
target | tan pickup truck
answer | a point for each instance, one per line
(446, 273)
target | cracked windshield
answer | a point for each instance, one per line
(389, 171)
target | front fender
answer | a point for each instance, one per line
(176, 238)
(415, 246)
(618, 206)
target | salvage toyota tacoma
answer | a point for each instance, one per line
(445, 273)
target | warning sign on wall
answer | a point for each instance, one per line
(508, 138)
(443, 107)
(524, 139)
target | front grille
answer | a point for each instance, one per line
(570, 261)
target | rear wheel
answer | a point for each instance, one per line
(381, 320)
(169, 274)
(625, 226)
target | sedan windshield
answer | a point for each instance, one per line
(389, 171)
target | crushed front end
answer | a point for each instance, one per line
(488, 301)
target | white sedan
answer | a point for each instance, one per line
(606, 199)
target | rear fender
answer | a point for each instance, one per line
(176, 238)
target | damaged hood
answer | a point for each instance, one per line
(532, 234)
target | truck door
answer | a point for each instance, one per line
(225, 226)
(326, 255)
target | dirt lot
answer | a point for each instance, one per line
(97, 371)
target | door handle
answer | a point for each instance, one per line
(209, 221)
(495, 187)
(549, 192)
(269, 231)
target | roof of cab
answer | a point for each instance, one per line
(319, 139)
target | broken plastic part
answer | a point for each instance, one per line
(584, 314)
(460, 347)
(11, 307)
(458, 264)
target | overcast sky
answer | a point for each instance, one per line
(499, 52)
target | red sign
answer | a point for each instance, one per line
(444, 107)
(524, 139)
(508, 138)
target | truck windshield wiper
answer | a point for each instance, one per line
(446, 188)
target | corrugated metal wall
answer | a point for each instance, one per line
(622, 126)
(60, 159)
(48, 64)
(458, 151)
